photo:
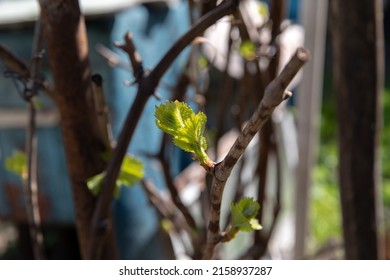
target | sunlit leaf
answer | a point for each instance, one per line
(17, 164)
(167, 225)
(244, 213)
(248, 50)
(95, 183)
(263, 9)
(187, 128)
(132, 170)
(203, 62)
(171, 115)
(38, 103)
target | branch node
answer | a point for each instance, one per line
(134, 56)
(287, 94)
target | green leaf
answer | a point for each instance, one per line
(248, 50)
(167, 225)
(95, 183)
(190, 137)
(132, 170)
(187, 128)
(17, 164)
(255, 224)
(38, 103)
(171, 115)
(203, 62)
(244, 213)
(263, 9)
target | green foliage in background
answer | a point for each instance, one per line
(325, 215)
(17, 164)
(385, 149)
(325, 212)
(248, 50)
(132, 170)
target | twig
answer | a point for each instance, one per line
(135, 58)
(147, 85)
(13, 62)
(274, 94)
(277, 16)
(165, 207)
(172, 188)
(167, 210)
(225, 93)
(262, 164)
(262, 238)
(101, 110)
(112, 58)
(31, 187)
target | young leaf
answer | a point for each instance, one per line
(248, 50)
(17, 164)
(171, 115)
(132, 170)
(203, 62)
(190, 137)
(177, 119)
(95, 183)
(244, 213)
(263, 9)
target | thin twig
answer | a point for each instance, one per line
(172, 188)
(147, 85)
(101, 111)
(31, 187)
(17, 65)
(262, 238)
(134, 56)
(225, 93)
(112, 58)
(167, 210)
(13, 62)
(274, 94)
(165, 207)
(264, 149)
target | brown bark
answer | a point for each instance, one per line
(358, 81)
(65, 35)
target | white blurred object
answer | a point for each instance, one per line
(290, 39)
(217, 49)
(24, 11)
(18, 118)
